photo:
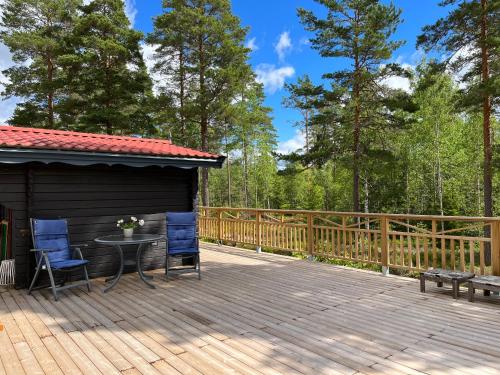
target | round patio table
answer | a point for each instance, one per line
(117, 241)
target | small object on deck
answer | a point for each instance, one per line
(440, 276)
(487, 283)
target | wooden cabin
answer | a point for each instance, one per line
(93, 180)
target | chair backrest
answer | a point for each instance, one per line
(51, 234)
(181, 232)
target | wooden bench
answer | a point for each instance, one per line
(440, 276)
(487, 283)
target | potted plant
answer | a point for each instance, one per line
(129, 226)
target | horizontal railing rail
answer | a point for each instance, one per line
(406, 242)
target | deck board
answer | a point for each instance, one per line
(252, 314)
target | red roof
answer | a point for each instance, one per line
(32, 138)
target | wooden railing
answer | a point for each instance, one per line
(408, 242)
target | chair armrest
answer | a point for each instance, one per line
(44, 250)
(79, 245)
(78, 252)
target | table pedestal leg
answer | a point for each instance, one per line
(143, 277)
(114, 279)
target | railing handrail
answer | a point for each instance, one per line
(361, 214)
(373, 239)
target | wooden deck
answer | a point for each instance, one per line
(252, 314)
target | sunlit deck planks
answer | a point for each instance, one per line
(252, 314)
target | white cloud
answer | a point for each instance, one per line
(293, 144)
(6, 106)
(148, 52)
(465, 66)
(130, 11)
(273, 78)
(252, 44)
(305, 41)
(284, 45)
(7, 109)
(397, 82)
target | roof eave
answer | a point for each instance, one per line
(19, 156)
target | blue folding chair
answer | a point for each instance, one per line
(182, 242)
(53, 253)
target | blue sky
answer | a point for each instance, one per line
(273, 20)
(280, 50)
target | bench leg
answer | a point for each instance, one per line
(455, 285)
(422, 284)
(470, 292)
(486, 292)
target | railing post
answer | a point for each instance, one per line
(434, 249)
(258, 232)
(384, 230)
(495, 247)
(219, 226)
(310, 240)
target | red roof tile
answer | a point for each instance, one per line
(31, 138)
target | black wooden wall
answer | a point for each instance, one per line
(93, 199)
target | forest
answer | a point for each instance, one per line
(78, 65)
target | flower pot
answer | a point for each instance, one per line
(128, 232)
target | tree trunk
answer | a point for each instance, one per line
(50, 96)
(356, 147)
(488, 199)
(367, 196)
(487, 164)
(203, 121)
(439, 174)
(306, 118)
(245, 172)
(357, 128)
(228, 168)
(181, 94)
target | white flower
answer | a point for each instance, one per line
(120, 221)
(133, 218)
(141, 222)
(118, 225)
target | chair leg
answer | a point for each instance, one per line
(456, 288)
(422, 283)
(51, 277)
(166, 268)
(35, 277)
(86, 274)
(470, 292)
(199, 265)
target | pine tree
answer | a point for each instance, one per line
(111, 79)
(214, 63)
(37, 34)
(302, 97)
(470, 35)
(360, 31)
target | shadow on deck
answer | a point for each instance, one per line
(253, 314)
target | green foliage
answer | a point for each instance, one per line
(358, 105)
(458, 35)
(37, 34)
(200, 46)
(470, 37)
(111, 86)
(367, 147)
